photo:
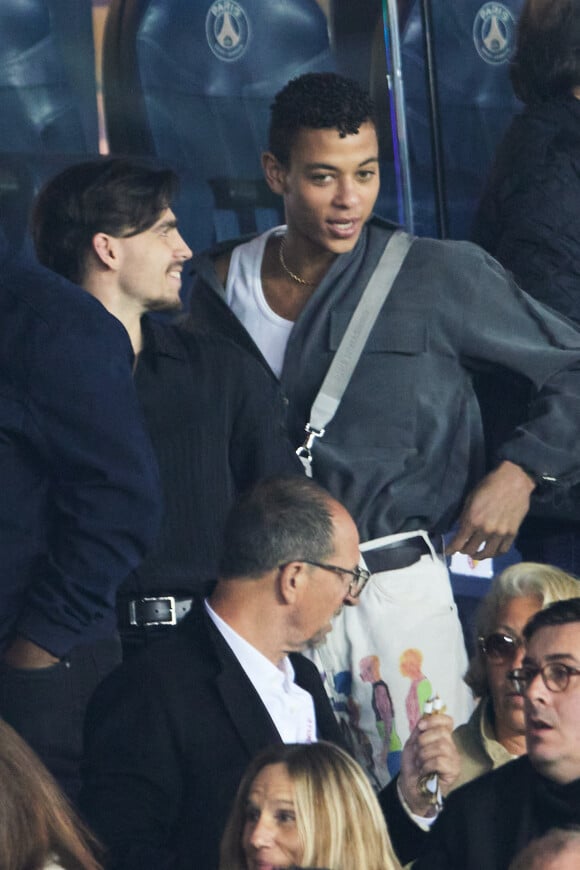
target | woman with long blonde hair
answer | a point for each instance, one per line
(306, 805)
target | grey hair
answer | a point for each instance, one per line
(277, 521)
(544, 582)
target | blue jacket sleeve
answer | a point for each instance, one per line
(71, 425)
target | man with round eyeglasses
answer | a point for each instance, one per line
(555, 675)
(495, 732)
(548, 683)
(488, 821)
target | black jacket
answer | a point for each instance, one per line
(529, 220)
(529, 216)
(486, 822)
(169, 735)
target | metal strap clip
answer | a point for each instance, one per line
(304, 452)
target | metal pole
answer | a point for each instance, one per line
(398, 119)
(439, 186)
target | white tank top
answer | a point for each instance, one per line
(245, 297)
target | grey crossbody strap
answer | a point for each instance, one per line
(353, 341)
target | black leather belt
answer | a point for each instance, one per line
(143, 612)
(397, 554)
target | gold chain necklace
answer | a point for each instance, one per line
(288, 271)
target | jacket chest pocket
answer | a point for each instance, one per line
(381, 403)
(402, 332)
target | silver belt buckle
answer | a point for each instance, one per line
(172, 620)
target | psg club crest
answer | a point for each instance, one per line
(227, 30)
(494, 33)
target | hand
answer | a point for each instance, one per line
(23, 653)
(429, 748)
(493, 512)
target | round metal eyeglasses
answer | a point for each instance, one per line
(556, 676)
(360, 576)
(499, 647)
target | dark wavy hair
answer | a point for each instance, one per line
(546, 63)
(320, 101)
(116, 196)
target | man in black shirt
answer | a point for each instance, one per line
(214, 415)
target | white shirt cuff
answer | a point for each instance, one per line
(423, 822)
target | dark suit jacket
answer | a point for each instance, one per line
(169, 735)
(486, 822)
(79, 492)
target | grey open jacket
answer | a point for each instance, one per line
(406, 444)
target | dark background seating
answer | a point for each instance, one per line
(191, 83)
(472, 43)
(48, 104)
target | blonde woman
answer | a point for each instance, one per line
(306, 805)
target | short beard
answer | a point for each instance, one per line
(318, 640)
(164, 305)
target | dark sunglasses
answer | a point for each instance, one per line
(499, 647)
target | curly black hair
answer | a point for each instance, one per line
(318, 101)
(546, 64)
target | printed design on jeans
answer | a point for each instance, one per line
(382, 704)
(410, 665)
(348, 713)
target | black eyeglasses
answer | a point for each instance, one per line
(499, 647)
(360, 576)
(556, 676)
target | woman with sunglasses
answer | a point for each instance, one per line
(495, 731)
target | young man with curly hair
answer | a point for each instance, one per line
(405, 449)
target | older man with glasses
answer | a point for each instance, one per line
(488, 821)
(171, 733)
